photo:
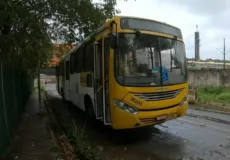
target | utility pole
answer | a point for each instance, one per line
(197, 44)
(224, 53)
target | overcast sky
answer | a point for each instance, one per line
(211, 16)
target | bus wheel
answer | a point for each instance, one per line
(89, 108)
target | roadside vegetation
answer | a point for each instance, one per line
(70, 137)
(214, 94)
(217, 98)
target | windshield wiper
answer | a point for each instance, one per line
(159, 47)
(178, 64)
(151, 52)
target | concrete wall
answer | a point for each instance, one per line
(200, 78)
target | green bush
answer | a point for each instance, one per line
(214, 94)
(224, 97)
(212, 90)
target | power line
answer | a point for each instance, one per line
(224, 52)
(208, 42)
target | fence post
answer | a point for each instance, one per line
(4, 102)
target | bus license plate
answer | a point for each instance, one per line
(162, 117)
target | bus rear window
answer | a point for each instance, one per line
(148, 25)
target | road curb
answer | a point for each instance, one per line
(210, 110)
(209, 118)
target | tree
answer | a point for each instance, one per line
(28, 28)
(78, 18)
(27, 36)
(58, 53)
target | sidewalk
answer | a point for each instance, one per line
(33, 140)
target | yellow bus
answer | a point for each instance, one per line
(130, 73)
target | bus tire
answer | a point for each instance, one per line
(89, 108)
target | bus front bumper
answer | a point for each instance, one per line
(125, 120)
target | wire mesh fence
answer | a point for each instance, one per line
(15, 89)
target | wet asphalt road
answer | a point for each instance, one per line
(198, 136)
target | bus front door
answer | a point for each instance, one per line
(101, 80)
(98, 87)
(106, 55)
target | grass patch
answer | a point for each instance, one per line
(214, 94)
(74, 142)
(72, 139)
(82, 147)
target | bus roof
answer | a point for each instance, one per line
(118, 17)
(107, 24)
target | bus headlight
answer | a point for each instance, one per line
(184, 101)
(125, 107)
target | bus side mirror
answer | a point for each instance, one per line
(113, 41)
(89, 80)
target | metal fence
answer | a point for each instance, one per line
(15, 89)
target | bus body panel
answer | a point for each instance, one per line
(74, 89)
(125, 120)
(85, 91)
(60, 84)
(79, 90)
(142, 102)
(67, 90)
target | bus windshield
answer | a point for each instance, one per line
(148, 60)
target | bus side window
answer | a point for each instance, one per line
(67, 70)
(88, 59)
(61, 69)
(78, 60)
(72, 63)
